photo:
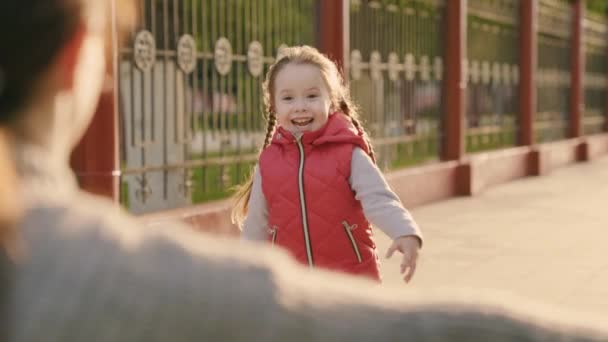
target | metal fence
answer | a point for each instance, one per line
(493, 74)
(191, 113)
(553, 78)
(191, 116)
(396, 71)
(596, 57)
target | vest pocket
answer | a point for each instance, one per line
(348, 229)
(273, 234)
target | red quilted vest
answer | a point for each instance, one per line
(312, 210)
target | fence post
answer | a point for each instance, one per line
(95, 159)
(528, 55)
(332, 30)
(455, 82)
(577, 103)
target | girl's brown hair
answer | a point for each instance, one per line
(340, 98)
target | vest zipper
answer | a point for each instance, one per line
(273, 232)
(303, 203)
(349, 232)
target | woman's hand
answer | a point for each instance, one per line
(408, 246)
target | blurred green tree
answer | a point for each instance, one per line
(597, 6)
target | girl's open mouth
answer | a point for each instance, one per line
(302, 122)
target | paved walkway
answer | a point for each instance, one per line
(544, 238)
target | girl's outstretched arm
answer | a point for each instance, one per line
(255, 225)
(381, 205)
(384, 210)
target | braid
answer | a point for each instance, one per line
(350, 110)
(243, 193)
(272, 120)
(365, 136)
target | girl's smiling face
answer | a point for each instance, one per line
(302, 100)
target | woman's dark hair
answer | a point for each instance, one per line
(31, 34)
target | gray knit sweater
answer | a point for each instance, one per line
(92, 273)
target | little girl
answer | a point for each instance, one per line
(316, 184)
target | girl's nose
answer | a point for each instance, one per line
(300, 106)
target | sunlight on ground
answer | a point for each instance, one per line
(540, 238)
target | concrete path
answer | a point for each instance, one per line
(544, 238)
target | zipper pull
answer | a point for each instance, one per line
(273, 233)
(349, 227)
(273, 229)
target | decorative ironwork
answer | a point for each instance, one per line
(474, 72)
(255, 58)
(223, 56)
(410, 67)
(355, 64)
(393, 66)
(425, 68)
(185, 187)
(144, 50)
(186, 53)
(375, 61)
(485, 72)
(438, 68)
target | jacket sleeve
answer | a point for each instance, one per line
(256, 223)
(381, 205)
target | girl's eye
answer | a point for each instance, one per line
(287, 98)
(312, 96)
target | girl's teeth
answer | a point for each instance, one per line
(302, 122)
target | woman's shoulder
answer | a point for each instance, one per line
(90, 250)
(83, 220)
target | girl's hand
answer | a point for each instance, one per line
(408, 246)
